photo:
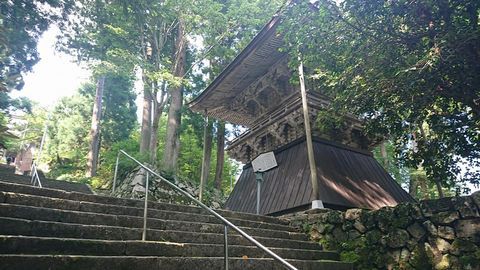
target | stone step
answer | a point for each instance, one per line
(64, 204)
(15, 226)
(74, 262)
(88, 218)
(70, 246)
(75, 196)
(47, 183)
(4, 168)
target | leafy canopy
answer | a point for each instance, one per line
(408, 68)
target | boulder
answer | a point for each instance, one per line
(352, 214)
(468, 229)
(416, 231)
(445, 217)
(466, 207)
(446, 232)
(398, 238)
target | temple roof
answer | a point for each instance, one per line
(253, 62)
(347, 178)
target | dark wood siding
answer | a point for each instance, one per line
(347, 178)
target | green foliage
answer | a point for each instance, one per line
(119, 108)
(409, 69)
(108, 159)
(67, 143)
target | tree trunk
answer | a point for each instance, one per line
(412, 186)
(207, 155)
(220, 155)
(158, 105)
(172, 143)
(424, 189)
(146, 117)
(92, 161)
(383, 152)
(439, 189)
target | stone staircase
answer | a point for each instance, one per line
(8, 172)
(42, 228)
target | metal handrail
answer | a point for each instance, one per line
(35, 180)
(208, 209)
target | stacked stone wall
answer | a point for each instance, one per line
(432, 234)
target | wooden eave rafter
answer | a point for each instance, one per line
(239, 74)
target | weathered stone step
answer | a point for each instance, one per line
(15, 226)
(64, 204)
(71, 246)
(75, 196)
(47, 183)
(61, 262)
(67, 216)
(4, 168)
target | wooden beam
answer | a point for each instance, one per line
(308, 133)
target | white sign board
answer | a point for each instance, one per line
(264, 162)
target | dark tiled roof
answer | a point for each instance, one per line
(347, 178)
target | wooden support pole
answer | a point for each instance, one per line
(308, 133)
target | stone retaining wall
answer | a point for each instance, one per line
(432, 234)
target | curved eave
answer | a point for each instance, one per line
(227, 85)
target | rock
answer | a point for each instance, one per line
(339, 235)
(353, 234)
(368, 219)
(315, 235)
(432, 230)
(443, 264)
(476, 198)
(138, 188)
(404, 254)
(352, 214)
(412, 244)
(133, 186)
(347, 225)
(406, 214)
(395, 255)
(461, 246)
(445, 217)
(430, 207)
(416, 231)
(468, 229)
(359, 227)
(385, 217)
(397, 238)
(446, 232)
(373, 237)
(320, 227)
(215, 205)
(466, 207)
(442, 245)
(335, 217)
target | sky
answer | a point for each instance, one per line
(57, 75)
(54, 76)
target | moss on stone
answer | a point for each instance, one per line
(420, 259)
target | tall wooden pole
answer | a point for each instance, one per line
(308, 132)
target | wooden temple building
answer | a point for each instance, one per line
(255, 91)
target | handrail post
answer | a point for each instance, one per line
(225, 234)
(115, 174)
(32, 174)
(38, 178)
(145, 209)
